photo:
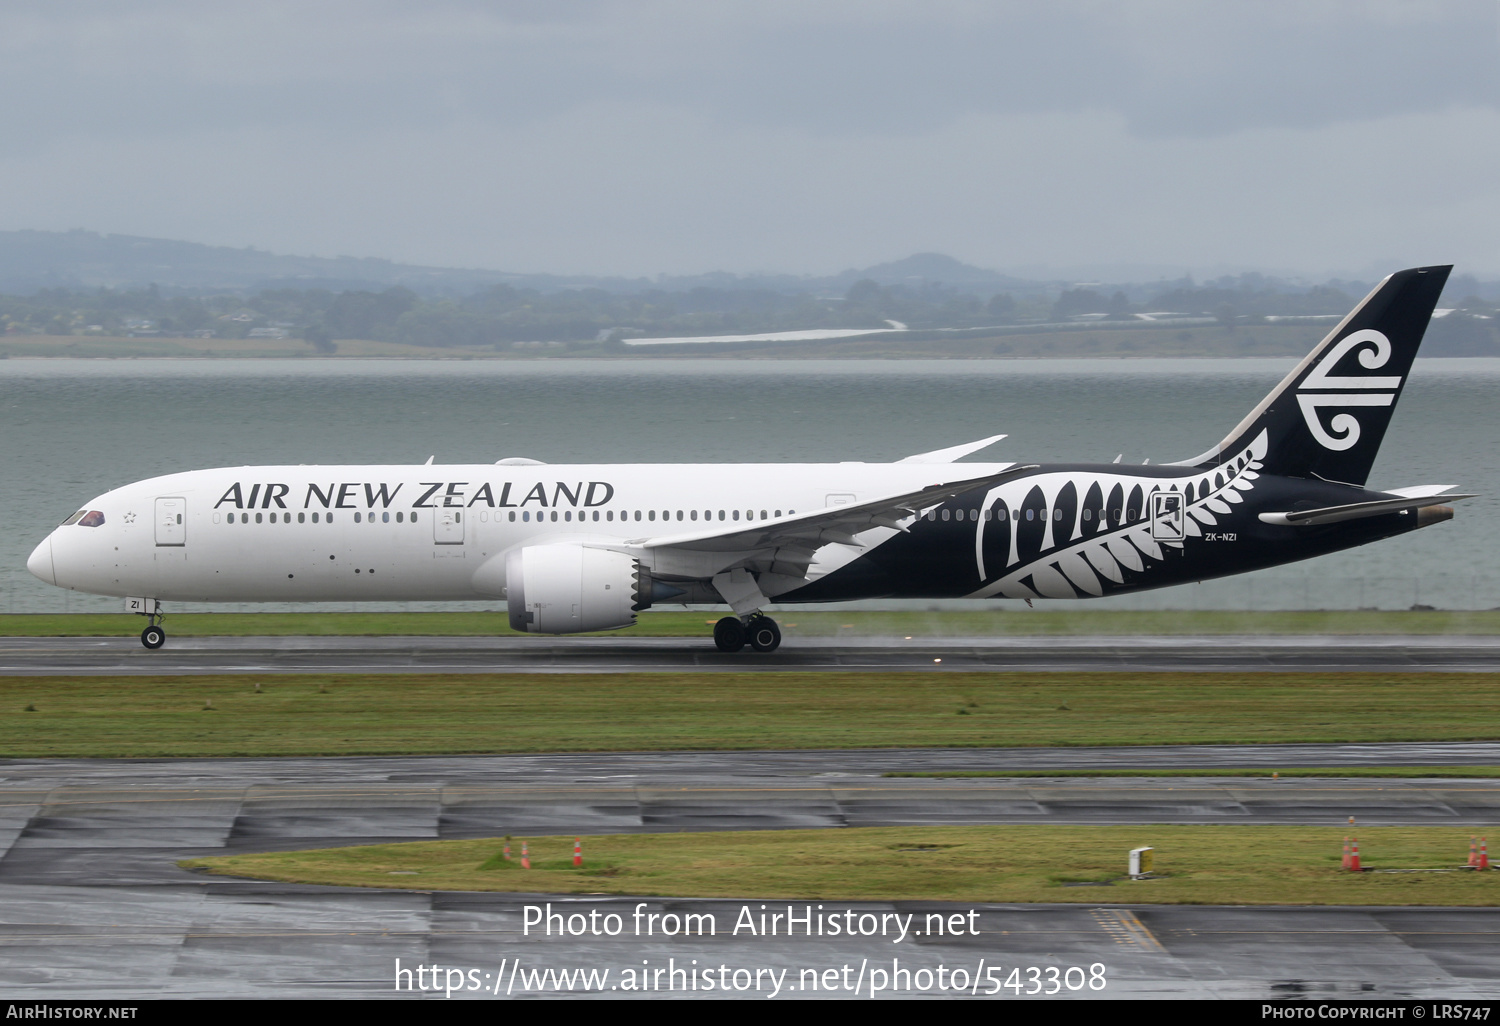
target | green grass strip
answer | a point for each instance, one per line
(811, 623)
(408, 714)
(1229, 865)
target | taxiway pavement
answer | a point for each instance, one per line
(92, 903)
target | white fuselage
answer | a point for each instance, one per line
(309, 533)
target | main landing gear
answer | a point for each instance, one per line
(732, 634)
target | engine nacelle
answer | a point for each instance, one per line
(567, 588)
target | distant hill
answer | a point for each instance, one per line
(83, 284)
(32, 260)
(938, 269)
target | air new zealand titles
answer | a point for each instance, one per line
(584, 548)
(427, 495)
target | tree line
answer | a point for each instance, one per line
(502, 315)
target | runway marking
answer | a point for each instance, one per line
(1123, 926)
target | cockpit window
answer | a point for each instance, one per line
(74, 518)
(93, 518)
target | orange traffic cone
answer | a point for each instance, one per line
(1345, 863)
(507, 851)
(525, 857)
(1484, 854)
(577, 852)
(1354, 856)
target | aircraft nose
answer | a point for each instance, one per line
(40, 563)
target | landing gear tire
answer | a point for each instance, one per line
(153, 637)
(763, 633)
(729, 634)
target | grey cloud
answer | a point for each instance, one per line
(1169, 68)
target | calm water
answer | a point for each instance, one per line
(74, 429)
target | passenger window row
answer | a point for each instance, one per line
(327, 518)
(1030, 514)
(608, 516)
(526, 516)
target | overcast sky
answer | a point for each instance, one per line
(656, 136)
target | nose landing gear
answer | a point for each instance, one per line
(759, 631)
(154, 636)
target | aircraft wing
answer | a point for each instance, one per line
(832, 523)
(785, 546)
(953, 452)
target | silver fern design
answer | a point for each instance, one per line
(1079, 558)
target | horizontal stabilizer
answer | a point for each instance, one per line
(1420, 491)
(1357, 510)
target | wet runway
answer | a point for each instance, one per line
(1237, 653)
(92, 903)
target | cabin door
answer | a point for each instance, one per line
(171, 521)
(448, 526)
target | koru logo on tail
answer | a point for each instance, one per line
(1323, 389)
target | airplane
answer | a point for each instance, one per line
(575, 548)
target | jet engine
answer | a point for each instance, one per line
(567, 588)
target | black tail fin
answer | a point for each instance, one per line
(1328, 417)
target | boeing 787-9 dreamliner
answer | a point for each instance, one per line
(575, 548)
